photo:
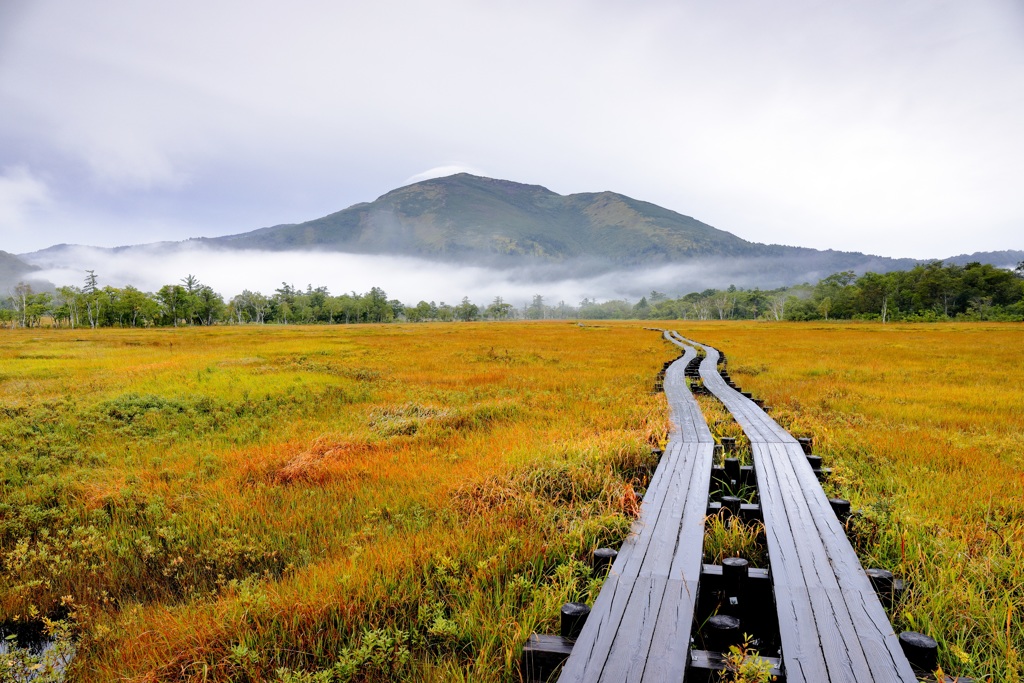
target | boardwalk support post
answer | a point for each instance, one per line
(733, 504)
(887, 587)
(732, 469)
(574, 615)
(602, 559)
(721, 631)
(542, 655)
(922, 652)
(734, 579)
(841, 507)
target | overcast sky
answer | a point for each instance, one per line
(884, 126)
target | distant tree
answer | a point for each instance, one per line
(467, 310)
(825, 306)
(777, 306)
(20, 301)
(499, 310)
(173, 301)
(65, 306)
(535, 311)
(444, 313)
(724, 302)
(208, 305)
(249, 307)
(29, 307)
(91, 297)
(397, 309)
(874, 293)
(420, 312)
(376, 306)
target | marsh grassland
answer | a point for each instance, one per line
(923, 426)
(358, 503)
(409, 502)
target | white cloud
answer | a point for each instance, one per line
(442, 172)
(407, 279)
(21, 195)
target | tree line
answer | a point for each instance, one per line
(189, 302)
(928, 292)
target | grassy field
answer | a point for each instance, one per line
(326, 503)
(923, 425)
(410, 501)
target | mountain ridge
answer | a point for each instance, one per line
(465, 215)
(472, 220)
(496, 222)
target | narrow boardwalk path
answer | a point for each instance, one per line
(832, 625)
(640, 625)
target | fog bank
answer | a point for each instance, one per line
(410, 280)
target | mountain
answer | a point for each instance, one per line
(14, 270)
(529, 232)
(464, 216)
(1004, 259)
(469, 218)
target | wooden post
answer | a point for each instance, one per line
(732, 469)
(883, 582)
(729, 444)
(806, 443)
(603, 558)
(732, 504)
(542, 655)
(734, 578)
(922, 652)
(721, 631)
(841, 507)
(814, 461)
(574, 615)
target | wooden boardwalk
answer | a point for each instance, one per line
(639, 628)
(832, 625)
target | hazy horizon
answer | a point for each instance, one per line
(405, 278)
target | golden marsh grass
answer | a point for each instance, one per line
(365, 503)
(922, 425)
(410, 501)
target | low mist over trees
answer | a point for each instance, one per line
(929, 292)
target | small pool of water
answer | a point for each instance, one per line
(27, 653)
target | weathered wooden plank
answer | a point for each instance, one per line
(632, 643)
(832, 626)
(864, 629)
(670, 641)
(687, 558)
(650, 595)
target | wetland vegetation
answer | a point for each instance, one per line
(410, 501)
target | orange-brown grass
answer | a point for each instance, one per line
(330, 503)
(922, 425)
